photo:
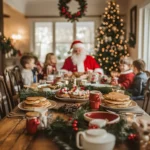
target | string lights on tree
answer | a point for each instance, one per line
(111, 43)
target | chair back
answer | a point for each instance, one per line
(18, 77)
(10, 81)
(146, 97)
(5, 101)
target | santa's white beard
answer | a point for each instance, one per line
(78, 59)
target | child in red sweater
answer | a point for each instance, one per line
(126, 76)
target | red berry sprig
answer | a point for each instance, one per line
(75, 125)
(93, 127)
(132, 136)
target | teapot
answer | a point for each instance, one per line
(96, 139)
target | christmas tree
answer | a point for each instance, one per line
(111, 43)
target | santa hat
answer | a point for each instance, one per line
(77, 44)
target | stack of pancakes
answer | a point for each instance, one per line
(116, 100)
(36, 102)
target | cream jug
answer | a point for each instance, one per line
(95, 139)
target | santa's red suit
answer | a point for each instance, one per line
(88, 64)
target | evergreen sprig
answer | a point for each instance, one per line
(24, 93)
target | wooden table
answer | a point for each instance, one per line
(13, 136)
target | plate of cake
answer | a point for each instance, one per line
(118, 101)
(75, 94)
(36, 103)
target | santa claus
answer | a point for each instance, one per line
(79, 61)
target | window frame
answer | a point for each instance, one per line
(144, 38)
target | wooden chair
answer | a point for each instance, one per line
(146, 101)
(18, 77)
(14, 83)
(5, 101)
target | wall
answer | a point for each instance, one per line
(17, 24)
(139, 3)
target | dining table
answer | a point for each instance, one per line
(13, 134)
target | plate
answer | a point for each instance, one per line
(98, 85)
(132, 106)
(110, 117)
(46, 89)
(71, 99)
(53, 104)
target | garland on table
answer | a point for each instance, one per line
(24, 93)
(64, 10)
(76, 122)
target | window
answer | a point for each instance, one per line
(85, 33)
(43, 39)
(64, 36)
(144, 35)
(59, 40)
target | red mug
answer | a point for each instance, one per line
(95, 104)
(95, 96)
(32, 124)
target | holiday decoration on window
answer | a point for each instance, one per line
(64, 10)
(111, 43)
(7, 48)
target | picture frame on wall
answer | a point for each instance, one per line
(133, 20)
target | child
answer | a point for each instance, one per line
(50, 64)
(140, 79)
(28, 63)
(126, 76)
(38, 69)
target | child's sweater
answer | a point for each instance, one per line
(126, 79)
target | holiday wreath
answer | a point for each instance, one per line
(64, 10)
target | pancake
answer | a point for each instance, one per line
(116, 96)
(117, 106)
(36, 98)
(33, 114)
(117, 102)
(31, 102)
(40, 104)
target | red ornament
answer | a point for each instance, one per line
(75, 121)
(78, 13)
(70, 119)
(75, 129)
(74, 125)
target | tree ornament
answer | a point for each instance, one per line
(114, 28)
(64, 10)
(121, 37)
(106, 39)
(109, 38)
